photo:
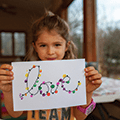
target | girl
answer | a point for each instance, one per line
(51, 41)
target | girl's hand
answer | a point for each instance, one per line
(6, 77)
(93, 79)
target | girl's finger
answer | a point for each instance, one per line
(89, 68)
(95, 77)
(90, 73)
(97, 82)
(6, 78)
(5, 82)
(5, 72)
(6, 66)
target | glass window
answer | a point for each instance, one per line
(13, 44)
(108, 37)
(75, 20)
(19, 40)
(6, 44)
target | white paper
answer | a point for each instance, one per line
(33, 82)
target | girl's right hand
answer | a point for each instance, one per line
(6, 77)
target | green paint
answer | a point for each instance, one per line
(52, 86)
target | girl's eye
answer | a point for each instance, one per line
(57, 44)
(42, 45)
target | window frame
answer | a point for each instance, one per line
(13, 44)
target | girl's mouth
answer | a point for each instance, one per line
(51, 58)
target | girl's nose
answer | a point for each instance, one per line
(51, 50)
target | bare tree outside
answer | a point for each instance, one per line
(75, 21)
(108, 39)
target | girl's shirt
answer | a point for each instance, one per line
(53, 114)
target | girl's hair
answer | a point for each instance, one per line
(50, 22)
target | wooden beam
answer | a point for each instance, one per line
(66, 3)
(64, 14)
(55, 5)
(62, 10)
(89, 44)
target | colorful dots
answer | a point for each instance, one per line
(79, 83)
(31, 95)
(69, 92)
(57, 83)
(60, 80)
(43, 94)
(64, 75)
(21, 98)
(74, 91)
(52, 86)
(26, 75)
(48, 94)
(39, 75)
(20, 94)
(27, 88)
(49, 85)
(37, 81)
(40, 88)
(40, 91)
(68, 82)
(34, 66)
(25, 81)
(63, 88)
(34, 85)
(56, 91)
(43, 82)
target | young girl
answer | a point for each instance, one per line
(51, 41)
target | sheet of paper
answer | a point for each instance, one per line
(48, 84)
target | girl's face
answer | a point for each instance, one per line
(50, 46)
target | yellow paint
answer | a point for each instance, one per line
(34, 66)
(79, 83)
(39, 75)
(27, 88)
(64, 75)
(26, 75)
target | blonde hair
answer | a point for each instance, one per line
(50, 22)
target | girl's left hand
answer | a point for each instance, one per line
(93, 79)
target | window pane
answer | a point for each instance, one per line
(75, 20)
(19, 44)
(108, 37)
(6, 43)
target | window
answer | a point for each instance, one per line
(108, 37)
(75, 21)
(12, 44)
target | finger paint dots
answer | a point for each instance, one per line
(51, 88)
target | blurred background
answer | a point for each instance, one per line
(94, 25)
